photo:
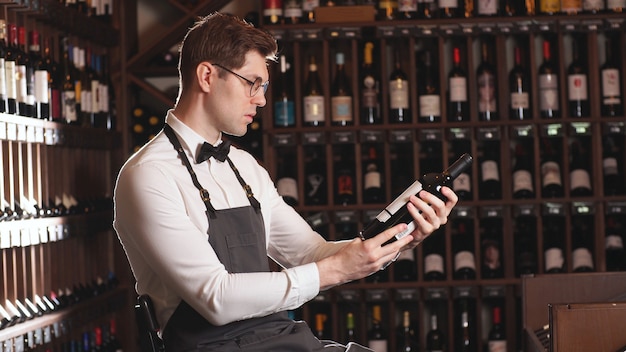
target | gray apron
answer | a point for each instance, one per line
(237, 236)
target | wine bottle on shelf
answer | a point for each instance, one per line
(25, 77)
(491, 248)
(513, 8)
(387, 10)
(549, 7)
(615, 231)
(616, 6)
(523, 180)
(612, 103)
(580, 174)
(465, 328)
(370, 99)
(450, 8)
(407, 10)
(399, 105)
(577, 87)
(497, 334)
(435, 340)
(345, 191)
(525, 237)
(341, 94)
(458, 107)
(519, 83)
(582, 243)
(350, 329)
(316, 185)
(427, 9)
(428, 92)
(463, 249)
(554, 244)
(292, 11)
(486, 86)
(612, 161)
(376, 335)
(3, 52)
(405, 267)
(314, 114)
(593, 6)
(551, 181)
(462, 185)
(490, 186)
(287, 184)
(320, 323)
(10, 66)
(571, 7)
(397, 212)
(41, 74)
(272, 12)
(434, 249)
(548, 85)
(487, 8)
(308, 10)
(407, 338)
(373, 191)
(69, 107)
(284, 109)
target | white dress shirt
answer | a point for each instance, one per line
(161, 222)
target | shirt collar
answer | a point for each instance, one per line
(189, 139)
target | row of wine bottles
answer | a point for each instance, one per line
(75, 90)
(393, 97)
(59, 206)
(303, 11)
(407, 332)
(99, 9)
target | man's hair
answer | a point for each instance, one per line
(222, 39)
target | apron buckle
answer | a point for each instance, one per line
(204, 194)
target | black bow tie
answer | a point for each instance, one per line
(219, 153)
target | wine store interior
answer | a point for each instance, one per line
(367, 98)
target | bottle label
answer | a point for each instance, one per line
(309, 5)
(577, 87)
(551, 173)
(345, 185)
(610, 86)
(581, 257)
(378, 345)
(490, 170)
(571, 6)
(293, 9)
(342, 108)
(549, 6)
(372, 178)
(548, 92)
(487, 93)
(497, 346)
(487, 7)
(387, 4)
(448, 4)
(616, 4)
(20, 76)
(407, 5)
(68, 106)
(287, 187)
(433, 263)
(314, 108)
(554, 258)
(407, 255)
(614, 242)
(3, 79)
(41, 86)
(369, 94)
(464, 259)
(520, 100)
(284, 113)
(593, 5)
(96, 105)
(609, 166)
(10, 79)
(580, 178)
(462, 183)
(429, 105)
(399, 94)
(86, 101)
(458, 89)
(522, 180)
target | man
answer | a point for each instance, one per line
(198, 232)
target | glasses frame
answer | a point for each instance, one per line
(255, 86)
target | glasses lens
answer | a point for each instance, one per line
(254, 88)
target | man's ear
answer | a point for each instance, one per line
(203, 76)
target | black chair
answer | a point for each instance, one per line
(149, 339)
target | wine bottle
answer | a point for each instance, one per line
(523, 185)
(486, 87)
(549, 7)
(612, 156)
(407, 10)
(10, 65)
(487, 8)
(465, 328)
(284, 109)
(320, 320)
(551, 181)
(491, 248)
(370, 99)
(314, 114)
(345, 192)
(399, 105)
(490, 186)
(387, 10)
(553, 244)
(463, 249)
(287, 184)
(427, 9)
(610, 83)
(582, 243)
(577, 87)
(3, 80)
(428, 92)
(25, 77)
(497, 334)
(617, 6)
(524, 234)
(593, 6)
(292, 11)
(580, 174)
(308, 10)
(615, 254)
(519, 87)
(458, 109)
(373, 191)
(548, 86)
(405, 267)
(272, 12)
(450, 8)
(435, 340)
(68, 91)
(377, 336)
(513, 8)
(571, 7)
(341, 94)
(397, 212)
(407, 338)
(350, 332)
(434, 256)
(41, 77)
(316, 185)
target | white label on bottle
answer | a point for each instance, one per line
(378, 345)
(11, 80)
(522, 180)
(577, 87)
(104, 98)
(408, 254)
(278, 11)
(85, 101)
(68, 105)
(429, 105)
(407, 5)
(616, 4)
(490, 170)
(95, 96)
(410, 228)
(448, 3)
(613, 242)
(464, 259)
(309, 5)
(609, 165)
(372, 178)
(520, 100)
(548, 92)
(287, 187)
(341, 108)
(580, 178)
(462, 183)
(551, 173)
(458, 89)
(581, 257)
(487, 92)
(593, 5)
(314, 108)
(3, 79)
(41, 86)
(497, 346)
(487, 7)
(433, 263)
(293, 9)
(399, 94)
(20, 77)
(610, 86)
(554, 258)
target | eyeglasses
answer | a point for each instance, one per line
(255, 85)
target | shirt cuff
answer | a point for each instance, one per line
(305, 280)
